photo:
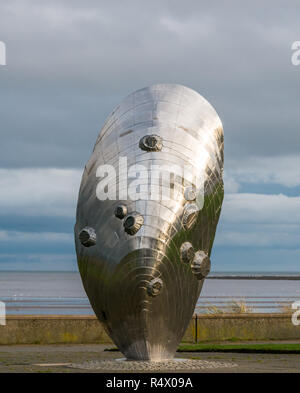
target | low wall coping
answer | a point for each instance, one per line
(243, 316)
(199, 316)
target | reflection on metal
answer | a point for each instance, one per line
(87, 237)
(190, 215)
(126, 268)
(201, 265)
(190, 194)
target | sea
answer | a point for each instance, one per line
(62, 293)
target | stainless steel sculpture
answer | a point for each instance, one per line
(143, 261)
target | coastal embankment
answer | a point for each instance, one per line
(67, 329)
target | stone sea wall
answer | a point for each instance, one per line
(63, 329)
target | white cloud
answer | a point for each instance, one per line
(258, 220)
(283, 170)
(52, 191)
(39, 192)
(230, 184)
(260, 208)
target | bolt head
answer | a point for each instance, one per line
(187, 252)
(154, 287)
(87, 237)
(120, 211)
(201, 265)
(133, 223)
(151, 143)
(190, 194)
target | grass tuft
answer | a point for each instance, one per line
(241, 348)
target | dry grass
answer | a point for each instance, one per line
(235, 307)
(214, 310)
(240, 307)
(285, 309)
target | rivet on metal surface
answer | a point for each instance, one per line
(154, 287)
(120, 211)
(133, 223)
(88, 237)
(200, 265)
(187, 252)
(151, 143)
(190, 215)
(190, 194)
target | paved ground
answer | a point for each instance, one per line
(54, 358)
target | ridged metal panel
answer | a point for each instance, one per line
(117, 270)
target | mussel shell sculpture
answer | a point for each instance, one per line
(143, 262)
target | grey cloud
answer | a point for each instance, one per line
(255, 259)
(38, 262)
(16, 237)
(260, 236)
(70, 63)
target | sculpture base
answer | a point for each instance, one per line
(151, 361)
(148, 366)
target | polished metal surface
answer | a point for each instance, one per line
(146, 267)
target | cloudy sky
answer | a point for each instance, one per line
(70, 62)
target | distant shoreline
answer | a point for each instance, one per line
(274, 276)
(252, 277)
